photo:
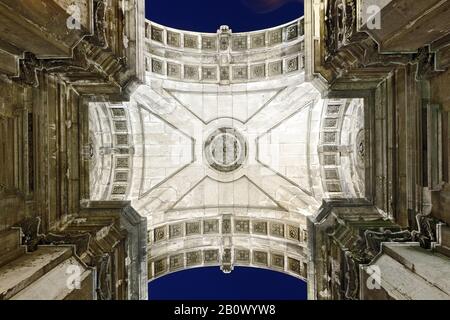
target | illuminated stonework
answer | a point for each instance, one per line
(229, 149)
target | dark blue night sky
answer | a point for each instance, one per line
(211, 283)
(208, 15)
(243, 283)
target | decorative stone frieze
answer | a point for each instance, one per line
(225, 50)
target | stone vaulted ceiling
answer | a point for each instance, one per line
(226, 149)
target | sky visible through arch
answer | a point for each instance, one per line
(211, 283)
(209, 15)
(243, 283)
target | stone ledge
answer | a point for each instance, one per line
(22, 272)
(407, 271)
(11, 248)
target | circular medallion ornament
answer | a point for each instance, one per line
(225, 150)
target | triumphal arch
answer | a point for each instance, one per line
(227, 149)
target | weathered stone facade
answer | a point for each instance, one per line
(394, 55)
(55, 57)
